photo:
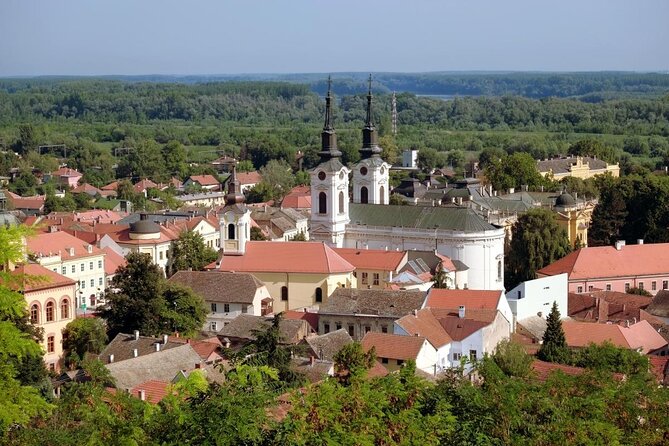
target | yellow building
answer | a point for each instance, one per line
(575, 217)
(50, 300)
(579, 167)
(374, 268)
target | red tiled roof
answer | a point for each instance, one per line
(282, 257)
(144, 184)
(86, 188)
(42, 278)
(658, 367)
(311, 318)
(298, 198)
(606, 261)
(640, 336)
(111, 186)
(393, 346)
(19, 202)
(66, 172)
(205, 180)
(377, 370)
(112, 261)
(249, 177)
(154, 391)
(544, 369)
(373, 258)
(424, 323)
(471, 299)
(123, 237)
(55, 243)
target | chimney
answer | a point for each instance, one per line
(512, 190)
(143, 216)
(415, 313)
(136, 333)
(620, 244)
(312, 360)
(134, 353)
(165, 338)
(71, 252)
(111, 358)
(226, 342)
(639, 241)
(157, 346)
(142, 395)
(89, 248)
(602, 311)
(461, 311)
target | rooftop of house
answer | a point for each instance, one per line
(218, 286)
(249, 177)
(640, 336)
(154, 390)
(373, 259)
(204, 180)
(602, 262)
(305, 257)
(310, 317)
(113, 261)
(425, 323)
(86, 188)
(564, 165)
(612, 305)
(543, 370)
(61, 243)
(143, 185)
(383, 303)
(471, 299)
(659, 306)
(393, 346)
(246, 326)
(123, 346)
(66, 172)
(34, 277)
(299, 197)
(326, 346)
(314, 370)
(35, 202)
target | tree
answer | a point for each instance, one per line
(608, 218)
(429, 159)
(175, 159)
(536, 241)
(440, 279)
(518, 169)
(257, 235)
(299, 237)
(593, 148)
(81, 336)
(190, 251)
(277, 175)
(639, 292)
(397, 199)
(351, 362)
(183, 312)
(554, 346)
(512, 359)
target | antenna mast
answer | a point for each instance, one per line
(394, 114)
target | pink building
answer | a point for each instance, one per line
(67, 177)
(614, 268)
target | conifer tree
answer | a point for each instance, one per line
(554, 347)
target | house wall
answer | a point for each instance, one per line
(222, 317)
(87, 271)
(384, 277)
(427, 358)
(53, 359)
(302, 287)
(619, 283)
(356, 325)
(159, 252)
(537, 296)
(210, 234)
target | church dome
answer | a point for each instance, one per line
(144, 229)
(565, 200)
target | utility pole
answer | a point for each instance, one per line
(394, 114)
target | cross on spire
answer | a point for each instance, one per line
(370, 145)
(328, 136)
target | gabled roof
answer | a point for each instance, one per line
(245, 326)
(461, 328)
(564, 165)
(543, 369)
(35, 277)
(606, 261)
(470, 299)
(286, 257)
(660, 305)
(393, 346)
(113, 261)
(326, 346)
(218, 286)
(35, 202)
(374, 259)
(640, 336)
(204, 180)
(249, 177)
(311, 318)
(143, 185)
(154, 391)
(298, 198)
(123, 346)
(361, 302)
(87, 189)
(55, 243)
(111, 186)
(66, 172)
(424, 323)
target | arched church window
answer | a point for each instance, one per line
(383, 170)
(231, 231)
(322, 203)
(341, 202)
(382, 193)
(364, 195)
(321, 175)
(319, 294)
(499, 270)
(284, 293)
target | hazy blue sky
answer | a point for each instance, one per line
(246, 36)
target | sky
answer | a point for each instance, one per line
(98, 37)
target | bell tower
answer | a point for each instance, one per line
(234, 219)
(370, 175)
(329, 186)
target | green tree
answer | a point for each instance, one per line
(607, 357)
(300, 237)
(183, 311)
(397, 199)
(175, 159)
(440, 279)
(512, 359)
(639, 292)
(608, 218)
(190, 251)
(81, 336)
(536, 241)
(352, 362)
(554, 346)
(277, 175)
(257, 235)
(513, 171)
(593, 148)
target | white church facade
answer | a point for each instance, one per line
(370, 222)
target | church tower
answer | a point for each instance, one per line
(370, 175)
(329, 186)
(235, 219)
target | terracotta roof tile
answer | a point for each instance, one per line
(311, 318)
(154, 391)
(62, 243)
(373, 258)
(113, 261)
(452, 299)
(393, 346)
(40, 278)
(66, 172)
(218, 286)
(249, 177)
(205, 180)
(290, 257)
(641, 336)
(543, 369)
(424, 323)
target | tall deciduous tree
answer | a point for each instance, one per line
(278, 176)
(81, 336)
(554, 346)
(536, 241)
(190, 251)
(513, 171)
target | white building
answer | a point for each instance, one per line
(410, 158)
(536, 297)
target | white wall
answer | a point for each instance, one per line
(427, 358)
(537, 296)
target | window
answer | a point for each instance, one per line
(319, 294)
(384, 329)
(608, 287)
(499, 270)
(382, 195)
(341, 202)
(641, 285)
(213, 326)
(472, 355)
(590, 287)
(50, 344)
(50, 312)
(457, 356)
(231, 231)
(321, 175)
(338, 325)
(368, 328)
(65, 309)
(214, 307)
(160, 255)
(226, 308)
(92, 283)
(99, 264)
(384, 360)
(665, 284)
(627, 286)
(326, 328)
(364, 195)
(284, 293)
(579, 289)
(74, 269)
(653, 286)
(82, 267)
(400, 361)
(100, 281)
(322, 203)
(90, 266)
(351, 330)
(375, 278)
(63, 270)
(83, 284)
(34, 314)
(363, 171)
(365, 279)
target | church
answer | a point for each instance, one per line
(369, 222)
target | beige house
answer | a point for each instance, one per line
(50, 300)
(374, 268)
(574, 216)
(578, 166)
(394, 350)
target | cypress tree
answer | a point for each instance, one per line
(554, 347)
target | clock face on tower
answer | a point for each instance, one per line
(321, 175)
(363, 171)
